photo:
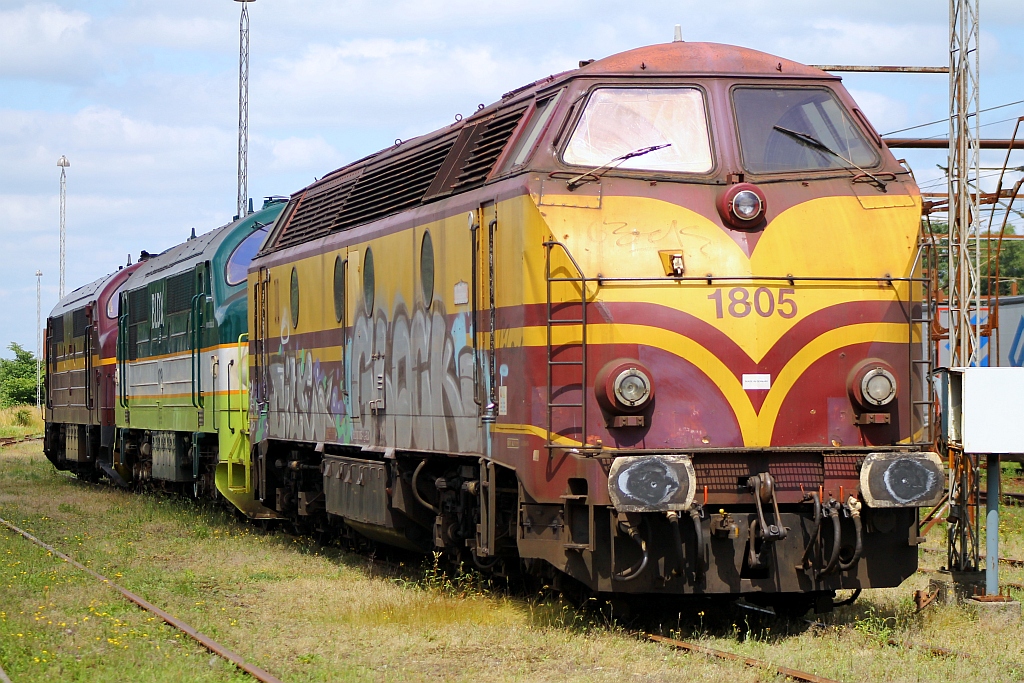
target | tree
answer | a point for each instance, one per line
(18, 377)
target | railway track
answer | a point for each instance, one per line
(792, 674)
(8, 440)
(204, 640)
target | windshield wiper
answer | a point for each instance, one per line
(815, 143)
(573, 183)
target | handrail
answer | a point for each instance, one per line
(196, 323)
(190, 331)
(89, 404)
(243, 407)
(122, 343)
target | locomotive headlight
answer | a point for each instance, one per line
(742, 206)
(632, 387)
(624, 387)
(873, 384)
(746, 205)
(878, 387)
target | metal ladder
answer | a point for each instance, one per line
(551, 322)
(923, 367)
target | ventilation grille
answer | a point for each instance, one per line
(57, 329)
(180, 290)
(133, 343)
(486, 151)
(392, 187)
(138, 310)
(78, 323)
(315, 213)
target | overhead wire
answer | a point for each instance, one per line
(946, 120)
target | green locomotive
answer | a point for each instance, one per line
(180, 385)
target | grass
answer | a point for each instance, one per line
(311, 613)
(20, 421)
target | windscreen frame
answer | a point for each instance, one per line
(826, 172)
(578, 106)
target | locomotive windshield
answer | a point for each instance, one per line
(618, 121)
(767, 115)
(237, 269)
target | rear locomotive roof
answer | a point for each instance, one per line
(206, 247)
(84, 295)
(466, 154)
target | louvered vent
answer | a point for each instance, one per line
(393, 186)
(180, 290)
(57, 329)
(486, 151)
(138, 306)
(316, 211)
(78, 323)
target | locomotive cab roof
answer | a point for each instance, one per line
(481, 148)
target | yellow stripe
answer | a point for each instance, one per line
(756, 427)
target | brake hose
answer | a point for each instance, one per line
(837, 538)
(854, 507)
(637, 569)
(677, 539)
(698, 530)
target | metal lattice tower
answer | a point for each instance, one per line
(964, 163)
(63, 164)
(243, 107)
(39, 335)
(962, 541)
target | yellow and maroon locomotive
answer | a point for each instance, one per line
(648, 324)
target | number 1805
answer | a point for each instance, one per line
(763, 301)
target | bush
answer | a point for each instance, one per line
(18, 378)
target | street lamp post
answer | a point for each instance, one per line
(63, 164)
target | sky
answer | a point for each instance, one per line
(142, 98)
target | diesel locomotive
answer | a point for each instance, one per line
(650, 326)
(146, 374)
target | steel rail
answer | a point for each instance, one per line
(207, 642)
(794, 674)
(8, 440)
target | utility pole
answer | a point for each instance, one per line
(243, 108)
(63, 164)
(39, 336)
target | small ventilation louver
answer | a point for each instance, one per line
(486, 150)
(78, 323)
(316, 210)
(180, 290)
(138, 306)
(57, 329)
(396, 184)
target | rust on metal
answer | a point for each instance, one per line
(207, 642)
(883, 69)
(943, 143)
(794, 674)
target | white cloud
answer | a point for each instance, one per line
(293, 154)
(45, 42)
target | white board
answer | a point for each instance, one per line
(993, 421)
